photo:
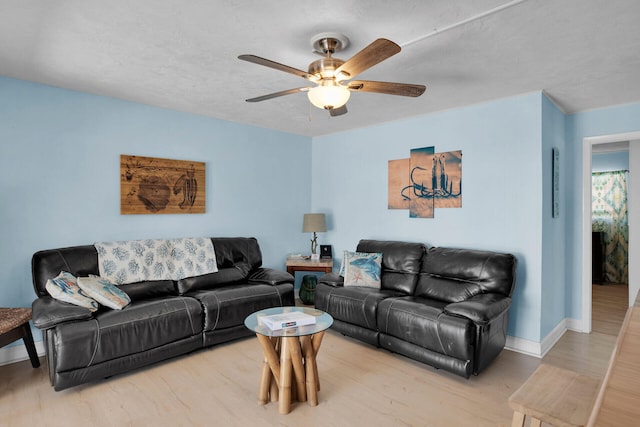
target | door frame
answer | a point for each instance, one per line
(587, 145)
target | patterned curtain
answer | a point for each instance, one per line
(609, 215)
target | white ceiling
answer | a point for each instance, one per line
(182, 55)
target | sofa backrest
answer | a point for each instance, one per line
(236, 257)
(454, 275)
(47, 264)
(231, 251)
(400, 263)
(236, 253)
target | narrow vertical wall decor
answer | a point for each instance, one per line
(150, 185)
(421, 175)
(398, 180)
(447, 179)
(556, 183)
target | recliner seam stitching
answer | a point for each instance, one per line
(184, 302)
(95, 349)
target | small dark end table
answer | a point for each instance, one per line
(14, 325)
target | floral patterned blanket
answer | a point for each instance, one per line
(155, 259)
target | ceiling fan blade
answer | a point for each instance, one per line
(338, 111)
(277, 66)
(376, 52)
(389, 88)
(277, 94)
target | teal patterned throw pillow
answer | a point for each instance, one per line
(64, 287)
(362, 269)
(103, 291)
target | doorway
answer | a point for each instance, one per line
(634, 235)
(609, 238)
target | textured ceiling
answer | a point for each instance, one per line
(182, 55)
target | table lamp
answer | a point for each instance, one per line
(314, 223)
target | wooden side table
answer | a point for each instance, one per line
(289, 369)
(14, 325)
(300, 264)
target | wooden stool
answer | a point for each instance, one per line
(555, 396)
(14, 324)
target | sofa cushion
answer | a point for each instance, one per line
(139, 327)
(423, 322)
(356, 305)
(400, 263)
(228, 306)
(362, 269)
(454, 275)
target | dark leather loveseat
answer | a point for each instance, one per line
(441, 306)
(164, 319)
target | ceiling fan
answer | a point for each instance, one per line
(332, 76)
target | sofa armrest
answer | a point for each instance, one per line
(332, 279)
(481, 309)
(48, 312)
(270, 276)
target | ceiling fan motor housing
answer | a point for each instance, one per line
(324, 68)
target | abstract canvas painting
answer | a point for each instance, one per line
(425, 181)
(150, 185)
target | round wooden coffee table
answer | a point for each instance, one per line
(289, 354)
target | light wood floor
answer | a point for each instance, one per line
(610, 303)
(360, 385)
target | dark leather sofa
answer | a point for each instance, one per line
(444, 307)
(164, 319)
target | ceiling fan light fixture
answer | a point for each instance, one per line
(328, 95)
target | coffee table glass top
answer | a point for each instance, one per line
(323, 322)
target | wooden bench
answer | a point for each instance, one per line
(555, 396)
(564, 398)
(14, 325)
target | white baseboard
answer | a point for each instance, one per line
(576, 325)
(523, 346)
(540, 349)
(18, 353)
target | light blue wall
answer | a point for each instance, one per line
(607, 121)
(60, 186)
(553, 236)
(502, 189)
(605, 162)
(59, 169)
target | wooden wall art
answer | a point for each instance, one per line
(425, 181)
(150, 185)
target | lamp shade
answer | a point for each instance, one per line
(313, 222)
(328, 96)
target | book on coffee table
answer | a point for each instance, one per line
(287, 320)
